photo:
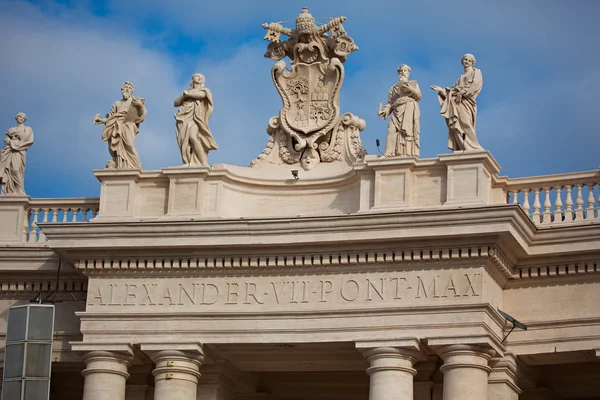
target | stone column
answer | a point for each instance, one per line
(177, 370)
(391, 370)
(465, 371)
(105, 375)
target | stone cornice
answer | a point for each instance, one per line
(446, 223)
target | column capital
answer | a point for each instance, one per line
(119, 351)
(462, 355)
(486, 342)
(193, 351)
(406, 346)
(179, 361)
(391, 355)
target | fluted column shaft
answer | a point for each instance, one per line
(175, 376)
(391, 373)
(105, 376)
(465, 372)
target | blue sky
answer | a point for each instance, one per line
(64, 61)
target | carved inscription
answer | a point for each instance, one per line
(396, 289)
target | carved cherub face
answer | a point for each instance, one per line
(126, 91)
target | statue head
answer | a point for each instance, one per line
(403, 72)
(305, 23)
(197, 79)
(127, 90)
(21, 118)
(468, 60)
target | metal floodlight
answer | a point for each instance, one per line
(295, 174)
(512, 320)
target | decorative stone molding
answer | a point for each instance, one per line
(332, 259)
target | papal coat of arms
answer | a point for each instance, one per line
(309, 128)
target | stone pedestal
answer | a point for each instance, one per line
(105, 375)
(13, 214)
(188, 191)
(465, 372)
(177, 370)
(391, 369)
(118, 194)
(469, 177)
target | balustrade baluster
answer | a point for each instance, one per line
(579, 201)
(46, 211)
(568, 204)
(558, 211)
(547, 215)
(33, 234)
(526, 206)
(537, 215)
(25, 232)
(75, 212)
(54, 214)
(515, 200)
(591, 210)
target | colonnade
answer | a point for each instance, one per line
(468, 373)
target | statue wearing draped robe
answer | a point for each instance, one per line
(12, 157)
(459, 108)
(122, 125)
(403, 137)
(193, 134)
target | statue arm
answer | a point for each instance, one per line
(199, 95)
(179, 101)
(24, 142)
(417, 93)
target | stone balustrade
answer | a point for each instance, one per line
(56, 210)
(556, 199)
(22, 214)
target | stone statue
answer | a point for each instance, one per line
(309, 128)
(122, 124)
(193, 134)
(459, 106)
(12, 157)
(403, 137)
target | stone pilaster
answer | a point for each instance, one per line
(465, 371)
(502, 382)
(391, 368)
(177, 369)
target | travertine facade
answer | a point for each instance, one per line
(357, 277)
(381, 280)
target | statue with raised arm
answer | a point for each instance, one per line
(12, 157)
(459, 106)
(122, 124)
(403, 137)
(193, 134)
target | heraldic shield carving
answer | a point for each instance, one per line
(309, 129)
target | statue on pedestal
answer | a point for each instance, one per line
(403, 137)
(12, 157)
(309, 129)
(193, 134)
(122, 124)
(459, 106)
